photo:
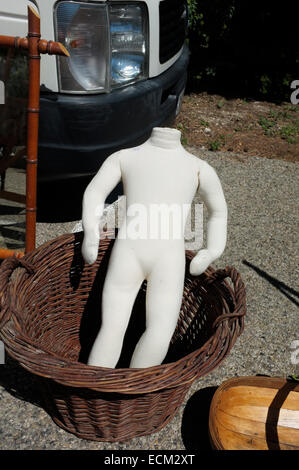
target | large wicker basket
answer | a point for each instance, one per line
(50, 314)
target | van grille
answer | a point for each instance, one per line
(172, 28)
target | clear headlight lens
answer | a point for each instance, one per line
(83, 29)
(107, 45)
(128, 29)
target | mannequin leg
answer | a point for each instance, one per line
(121, 287)
(163, 302)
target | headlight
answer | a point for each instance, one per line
(128, 29)
(107, 45)
(83, 29)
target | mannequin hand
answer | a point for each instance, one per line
(200, 262)
(90, 249)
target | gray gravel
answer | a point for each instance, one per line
(263, 218)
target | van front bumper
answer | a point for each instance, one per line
(77, 132)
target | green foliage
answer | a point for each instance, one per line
(241, 48)
(204, 123)
(267, 125)
(184, 141)
(216, 144)
(265, 83)
(274, 127)
(194, 16)
(290, 133)
(16, 72)
(207, 16)
(293, 378)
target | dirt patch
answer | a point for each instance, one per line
(237, 125)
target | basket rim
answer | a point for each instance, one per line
(121, 380)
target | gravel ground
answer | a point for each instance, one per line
(261, 196)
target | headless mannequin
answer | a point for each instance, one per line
(159, 171)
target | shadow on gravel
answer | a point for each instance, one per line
(281, 286)
(61, 200)
(12, 226)
(195, 422)
(19, 383)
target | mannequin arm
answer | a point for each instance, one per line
(212, 195)
(108, 176)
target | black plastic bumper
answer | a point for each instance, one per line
(77, 132)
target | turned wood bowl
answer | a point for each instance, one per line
(255, 413)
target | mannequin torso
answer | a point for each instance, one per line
(159, 172)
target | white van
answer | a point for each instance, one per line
(126, 74)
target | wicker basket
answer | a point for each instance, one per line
(49, 316)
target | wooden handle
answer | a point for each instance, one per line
(4, 253)
(7, 268)
(44, 46)
(239, 293)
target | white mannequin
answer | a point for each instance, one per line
(158, 171)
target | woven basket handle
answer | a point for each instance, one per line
(7, 268)
(238, 290)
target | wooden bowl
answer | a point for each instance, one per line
(255, 413)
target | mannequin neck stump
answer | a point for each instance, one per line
(165, 137)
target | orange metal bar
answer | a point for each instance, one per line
(4, 253)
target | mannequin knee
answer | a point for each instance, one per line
(160, 334)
